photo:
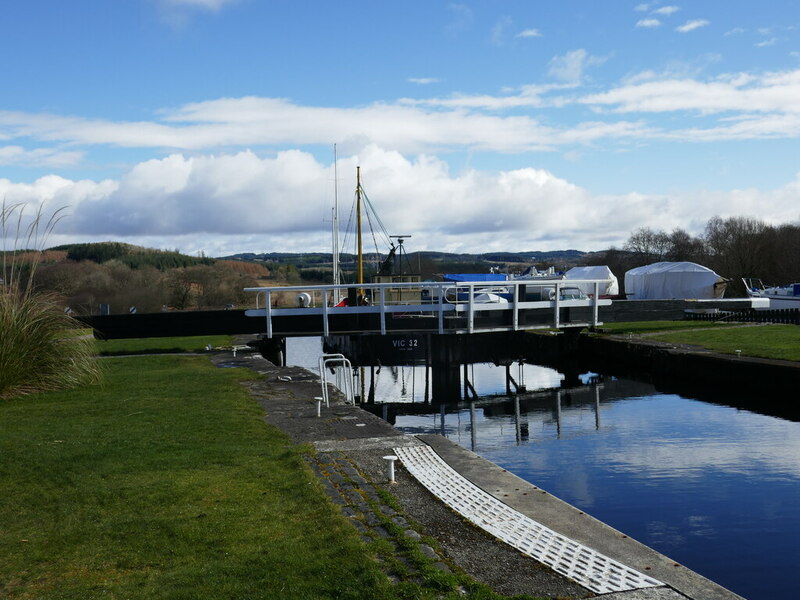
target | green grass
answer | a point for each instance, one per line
(768, 341)
(165, 483)
(653, 326)
(162, 345)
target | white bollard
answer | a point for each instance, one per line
(319, 405)
(390, 467)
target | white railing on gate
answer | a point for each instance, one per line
(436, 299)
(343, 372)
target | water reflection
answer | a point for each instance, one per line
(702, 483)
(712, 486)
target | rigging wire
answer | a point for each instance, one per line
(371, 209)
(371, 214)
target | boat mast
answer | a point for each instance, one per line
(358, 226)
(335, 226)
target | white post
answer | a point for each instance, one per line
(325, 325)
(390, 467)
(471, 309)
(557, 301)
(383, 309)
(441, 309)
(268, 311)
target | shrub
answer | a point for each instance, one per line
(37, 352)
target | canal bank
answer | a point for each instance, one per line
(765, 385)
(348, 439)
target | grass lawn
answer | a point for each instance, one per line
(165, 482)
(161, 345)
(652, 326)
(768, 341)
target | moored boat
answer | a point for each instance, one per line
(779, 296)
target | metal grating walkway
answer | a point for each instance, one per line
(591, 569)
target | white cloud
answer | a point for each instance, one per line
(756, 105)
(572, 65)
(642, 7)
(531, 96)
(529, 33)
(734, 31)
(240, 202)
(770, 92)
(499, 30)
(694, 457)
(765, 43)
(461, 19)
(40, 157)
(423, 80)
(204, 4)
(667, 10)
(649, 23)
(692, 25)
(744, 128)
(260, 122)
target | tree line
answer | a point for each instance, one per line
(83, 286)
(133, 256)
(734, 248)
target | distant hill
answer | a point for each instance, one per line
(133, 256)
(317, 266)
(555, 256)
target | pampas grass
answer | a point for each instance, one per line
(37, 352)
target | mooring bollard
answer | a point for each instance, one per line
(390, 467)
(319, 405)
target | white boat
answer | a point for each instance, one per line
(783, 296)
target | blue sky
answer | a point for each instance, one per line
(209, 125)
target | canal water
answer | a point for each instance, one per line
(713, 487)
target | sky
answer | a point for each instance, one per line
(209, 126)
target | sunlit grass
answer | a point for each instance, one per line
(165, 482)
(767, 341)
(163, 345)
(637, 327)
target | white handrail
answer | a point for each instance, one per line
(325, 361)
(438, 298)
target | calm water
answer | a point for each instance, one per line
(713, 487)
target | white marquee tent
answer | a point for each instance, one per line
(664, 280)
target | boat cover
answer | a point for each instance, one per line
(664, 280)
(598, 272)
(462, 277)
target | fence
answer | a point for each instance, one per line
(789, 316)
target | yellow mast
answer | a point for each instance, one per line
(358, 225)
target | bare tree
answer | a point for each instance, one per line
(647, 245)
(684, 247)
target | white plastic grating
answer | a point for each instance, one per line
(591, 569)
